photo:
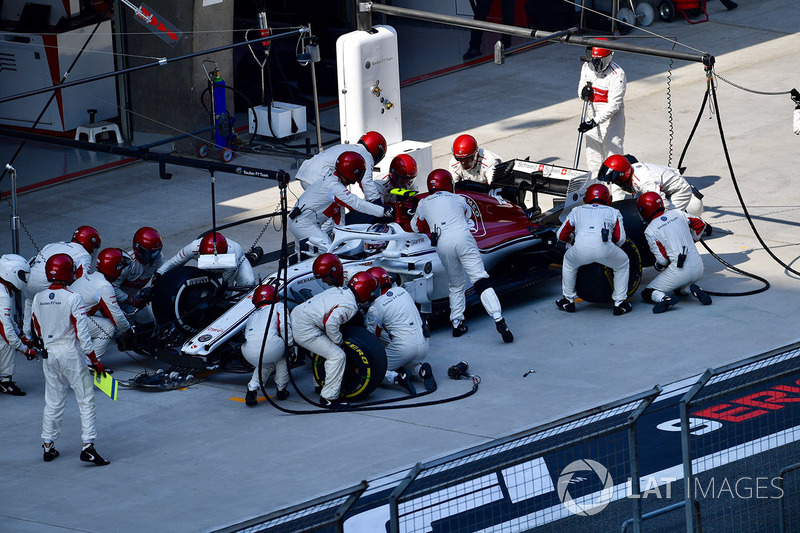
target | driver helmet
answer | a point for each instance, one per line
(402, 171)
(601, 57)
(14, 270)
(465, 150)
(147, 245)
(328, 268)
(375, 246)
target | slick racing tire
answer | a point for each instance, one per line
(634, 229)
(365, 367)
(184, 296)
(595, 282)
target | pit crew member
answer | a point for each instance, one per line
(395, 320)
(265, 299)
(598, 233)
(59, 318)
(213, 243)
(14, 271)
(146, 259)
(316, 327)
(402, 172)
(470, 162)
(671, 235)
(602, 83)
(445, 215)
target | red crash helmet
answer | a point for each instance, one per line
(265, 294)
(60, 269)
(597, 193)
(402, 171)
(350, 167)
(110, 262)
(88, 237)
(207, 244)
(328, 268)
(440, 180)
(601, 57)
(465, 150)
(375, 145)
(650, 205)
(364, 286)
(616, 169)
(146, 245)
(384, 279)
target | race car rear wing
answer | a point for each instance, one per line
(534, 178)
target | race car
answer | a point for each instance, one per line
(199, 319)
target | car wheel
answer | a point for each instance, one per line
(184, 296)
(595, 282)
(365, 367)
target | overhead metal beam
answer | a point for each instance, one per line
(146, 155)
(527, 33)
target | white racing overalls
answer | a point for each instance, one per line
(133, 279)
(669, 235)
(607, 109)
(275, 348)
(10, 343)
(242, 274)
(482, 171)
(324, 163)
(316, 327)
(59, 317)
(103, 313)
(667, 182)
(587, 222)
(447, 215)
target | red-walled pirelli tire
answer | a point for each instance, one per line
(365, 367)
(595, 282)
(184, 296)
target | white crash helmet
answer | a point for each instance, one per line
(373, 247)
(14, 269)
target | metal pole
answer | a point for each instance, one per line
(14, 214)
(580, 135)
(706, 59)
(316, 99)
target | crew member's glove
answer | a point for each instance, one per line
(137, 302)
(146, 295)
(154, 279)
(586, 126)
(96, 365)
(659, 267)
(31, 353)
(389, 212)
(796, 97)
(586, 93)
(27, 342)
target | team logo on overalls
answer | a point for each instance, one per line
(52, 295)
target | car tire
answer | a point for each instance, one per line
(595, 282)
(183, 296)
(365, 367)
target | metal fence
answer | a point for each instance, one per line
(508, 485)
(724, 456)
(741, 468)
(322, 515)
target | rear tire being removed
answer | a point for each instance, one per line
(595, 282)
(365, 367)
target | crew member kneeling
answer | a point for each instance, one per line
(671, 235)
(598, 234)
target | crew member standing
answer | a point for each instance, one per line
(14, 271)
(602, 84)
(445, 216)
(671, 235)
(598, 233)
(59, 318)
(265, 299)
(395, 319)
(316, 325)
(470, 162)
